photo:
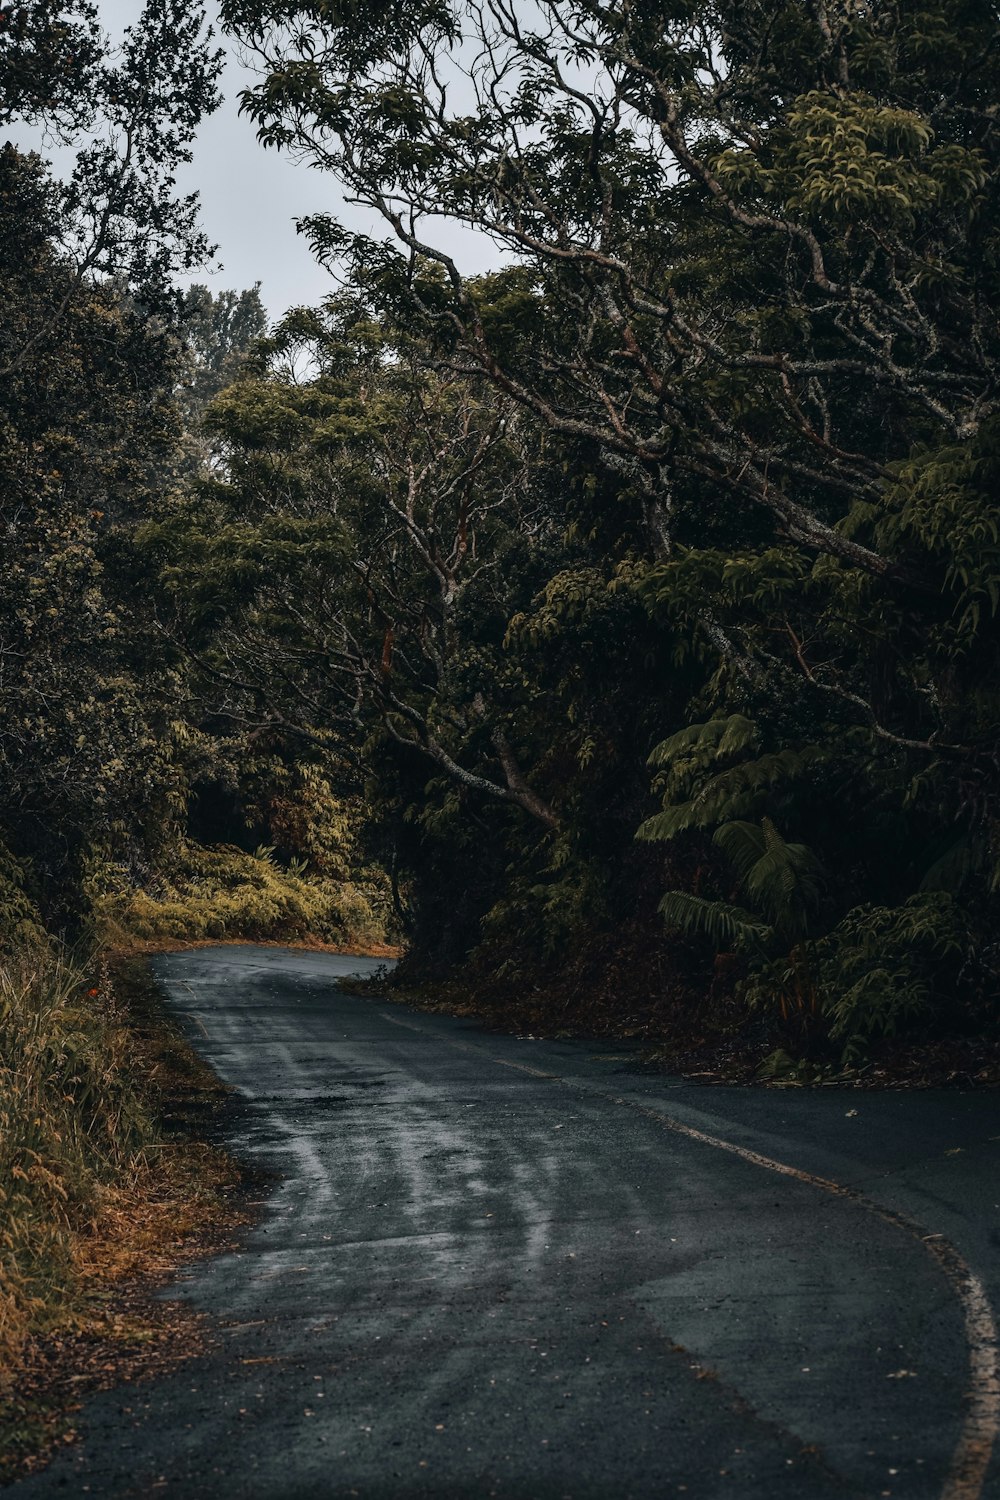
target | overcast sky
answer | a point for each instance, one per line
(251, 197)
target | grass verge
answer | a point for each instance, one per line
(107, 1185)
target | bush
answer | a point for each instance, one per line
(224, 892)
(71, 1118)
(22, 923)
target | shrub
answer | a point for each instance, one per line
(71, 1118)
(21, 923)
(224, 892)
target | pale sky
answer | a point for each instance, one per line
(251, 197)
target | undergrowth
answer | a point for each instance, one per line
(223, 892)
(72, 1121)
(95, 1185)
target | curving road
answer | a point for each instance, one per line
(501, 1267)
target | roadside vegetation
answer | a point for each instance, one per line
(617, 630)
(72, 1120)
(104, 1186)
(657, 571)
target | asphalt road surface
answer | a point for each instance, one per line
(494, 1266)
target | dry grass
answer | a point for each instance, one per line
(99, 1197)
(72, 1117)
(221, 892)
(124, 947)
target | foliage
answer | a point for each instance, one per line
(880, 969)
(22, 921)
(129, 113)
(49, 53)
(706, 472)
(219, 332)
(89, 431)
(72, 1116)
(379, 567)
(224, 892)
(96, 1187)
(746, 316)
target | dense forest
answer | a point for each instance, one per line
(616, 629)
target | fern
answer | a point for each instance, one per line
(728, 927)
(731, 793)
(786, 880)
(781, 881)
(881, 966)
(721, 736)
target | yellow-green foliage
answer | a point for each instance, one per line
(20, 922)
(224, 892)
(71, 1118)
(307, 817)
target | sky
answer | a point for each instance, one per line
(251, 198)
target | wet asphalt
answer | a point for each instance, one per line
(488, 1268)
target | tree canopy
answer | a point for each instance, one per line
(747, 316)
(640, 596)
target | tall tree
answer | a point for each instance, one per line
(754, 228)
(50, 54)
(753, 267)
(88, 426)
(360, 504)
(378, 566)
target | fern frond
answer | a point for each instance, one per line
(730, 794)
(738, 734)
(743, 845)
(786, 881)
(727, 736)
(728, 927)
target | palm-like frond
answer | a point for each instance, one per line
(725, 736)
(743, 844)
(729, 927)
(729, 794)
(786, 881)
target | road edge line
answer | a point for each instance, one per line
(971, 1457)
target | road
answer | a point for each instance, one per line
(496, 1266)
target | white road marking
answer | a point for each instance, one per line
(971, 1457)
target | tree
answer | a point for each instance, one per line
(752, 262)
(131, 117)
(757, 235)
(88, 430)
(89, 434)
(220, 332)
(359, 505)
(50, 53)
(377, 566)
